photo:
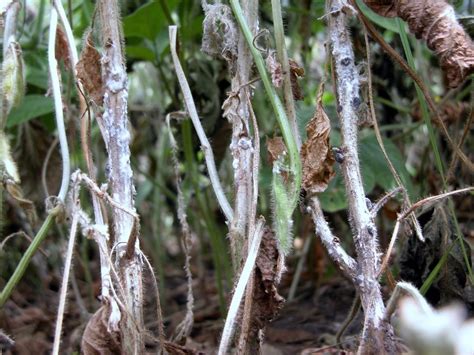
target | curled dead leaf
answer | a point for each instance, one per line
(296, 72)
(276, 149)
(274, 67)
(97, 340)
(316, 155)
(267, 301)
(89, 71)
(435, 21)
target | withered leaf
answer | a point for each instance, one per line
(274, 67)
(62, 48)
(435, 22)
(97, 340)
(267, 301)
(296, 72)
(276, 149)
(89, 71)
(316, 155)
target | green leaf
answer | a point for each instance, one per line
(384, 22)
(32, 106)
(140, 52)
(37, 77)
(372, 160)
(147, 21)
(334, 198)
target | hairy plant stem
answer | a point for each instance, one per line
(285, 66)
(27, 255)
(117, 138)
(377, 333)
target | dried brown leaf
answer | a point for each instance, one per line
(274, 67)
(316, 154)
(296, 72)
(435, 21)
(89, 71)
(276, 149)
(267, 301)
(97, 340)
(62, 48)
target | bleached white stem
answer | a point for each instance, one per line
(240, 289)
(205, 145)
(58, 105)
(376, 333)
(65, 283)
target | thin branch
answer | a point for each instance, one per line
(65, 282)
(388, 253)
(332, 244)
(433, 199)
(205, 145)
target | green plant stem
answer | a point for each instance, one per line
(295, 162)
(283, 59)
(25, 260)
